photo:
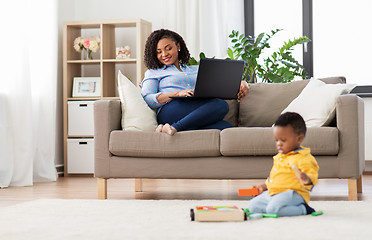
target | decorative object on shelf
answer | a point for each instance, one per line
(86, 87)
(122, 52)
(88, 44)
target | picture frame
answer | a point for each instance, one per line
(86, 87)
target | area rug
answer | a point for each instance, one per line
(169, 219)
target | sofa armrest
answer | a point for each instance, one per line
(107, 117)
(350, 123)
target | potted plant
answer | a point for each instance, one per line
(280, 66)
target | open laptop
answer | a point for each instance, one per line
(217, 78)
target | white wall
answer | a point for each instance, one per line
(150, 10)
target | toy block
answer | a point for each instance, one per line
(248, 192)
(217, 214)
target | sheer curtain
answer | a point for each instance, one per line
(205, 24)
(28, 92)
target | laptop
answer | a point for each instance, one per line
(217, 78)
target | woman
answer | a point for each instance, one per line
(166, 57)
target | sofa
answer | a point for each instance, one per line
(244, 151)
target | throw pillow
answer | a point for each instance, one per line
(136, 114)
(317, 102)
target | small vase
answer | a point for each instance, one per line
(88, 55)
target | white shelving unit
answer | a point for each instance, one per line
(79, 121)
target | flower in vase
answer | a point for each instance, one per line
(93, 45)
(78, 44)
(89, 44)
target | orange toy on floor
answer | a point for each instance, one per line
(248, 192)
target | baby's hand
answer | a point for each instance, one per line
(261, 188)
(301, 176)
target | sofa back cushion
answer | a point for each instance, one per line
(265, 101)
(232, 115)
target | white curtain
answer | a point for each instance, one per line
(205, 24)
(28, 93)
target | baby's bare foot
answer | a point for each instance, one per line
(168, 129)
(159, 128)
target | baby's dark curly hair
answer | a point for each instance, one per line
(150, 57)
(294, 120)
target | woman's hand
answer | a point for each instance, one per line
(243, 89)
(165, 97)
(187, 92)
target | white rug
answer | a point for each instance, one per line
(169, 219)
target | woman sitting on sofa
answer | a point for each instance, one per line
(166, 57)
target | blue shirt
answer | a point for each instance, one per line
(167, 79)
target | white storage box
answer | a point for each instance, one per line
(80, 118)
(80, 155)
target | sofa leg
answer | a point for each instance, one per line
(102, 188)
(359, 184)
(138, 185)
(355, 187)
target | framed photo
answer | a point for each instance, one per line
(86, 87)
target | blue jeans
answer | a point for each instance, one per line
(192, 114)
(288, 203)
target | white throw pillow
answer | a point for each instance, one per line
(317, 102)
(136, 114)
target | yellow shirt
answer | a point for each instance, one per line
(283, 178)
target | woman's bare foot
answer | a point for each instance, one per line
(159, 128)
(168, 129)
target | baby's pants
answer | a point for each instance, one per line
(288, 203)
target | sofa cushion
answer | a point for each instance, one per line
(198, 143)
(232, 115)
(317, 102)
(136, 114)
(265, 101)
(246, 141)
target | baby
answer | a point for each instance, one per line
(293, 175)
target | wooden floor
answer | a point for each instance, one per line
(86, 188)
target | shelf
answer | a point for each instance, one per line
(92, 98)
(124, 60)
(83, 98)
(113, 34)
(79, 137)
(83, 61)
(110, 98)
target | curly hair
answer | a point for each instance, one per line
(150, 57)
(293, 119)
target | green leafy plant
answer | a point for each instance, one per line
(280, 66)
(193, 61)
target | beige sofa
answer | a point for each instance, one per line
(242, 152)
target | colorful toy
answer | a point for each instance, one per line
(248, 192)
(252, 215)
(217, 214)
(317, 213)
(255, 216)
